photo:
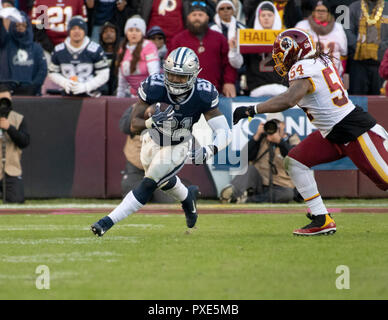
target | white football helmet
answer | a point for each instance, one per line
(184, 63)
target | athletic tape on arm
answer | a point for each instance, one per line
(221, 131)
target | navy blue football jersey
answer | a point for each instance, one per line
(202, 98)
(82, 64)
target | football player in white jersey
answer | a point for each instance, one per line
(343, 128)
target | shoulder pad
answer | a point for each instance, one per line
(152, 89)
(93, 46)
(207, 92)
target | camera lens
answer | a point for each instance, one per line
(270, 127)
(5, 107)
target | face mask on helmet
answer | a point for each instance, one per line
(180, 70)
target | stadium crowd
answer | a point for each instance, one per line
(108, 47)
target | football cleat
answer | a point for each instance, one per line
(189, 206)
(320, 224)
(101, 226)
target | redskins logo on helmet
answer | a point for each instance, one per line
(286, 43)
(289, 47)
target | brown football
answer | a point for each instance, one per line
(151, 109)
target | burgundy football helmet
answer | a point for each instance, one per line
(290, 46)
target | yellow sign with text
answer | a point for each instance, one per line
(256, 41)
(254, 37)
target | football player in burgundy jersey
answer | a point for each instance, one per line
(343, 128)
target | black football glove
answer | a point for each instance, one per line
(243, 112)
(201, 155)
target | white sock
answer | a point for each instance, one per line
(304, 181)
(179, 191)
(127, 206)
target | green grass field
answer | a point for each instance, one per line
(229, 256)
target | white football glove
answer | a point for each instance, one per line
(68, 85)
(80, 87)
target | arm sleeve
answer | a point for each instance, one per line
(222, 136)
(101, 70)
(235, 59)
(40, 59)
(55, 71)
(19, 136)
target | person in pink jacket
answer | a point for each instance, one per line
(383, 70)
(138, 58)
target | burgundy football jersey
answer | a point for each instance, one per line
(55, 15)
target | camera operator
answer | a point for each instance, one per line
(266, 179)
(14, 135)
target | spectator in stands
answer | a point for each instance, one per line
(383, 70)
(50, 23)
(23, 61)
(13, 129)
(169, 15)
(226, 23)
(262, 79)
(109, 41)
(330, 34)
(157, 36)
(266, 179)
(290, 12)
(239, 12)
(137, 59)
(79, 65)
(211, 48)
(114, 11)
(367, 42)
(134, 171)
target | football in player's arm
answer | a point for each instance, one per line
(180, 98)
(343, 128)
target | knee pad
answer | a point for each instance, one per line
(143, 192)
